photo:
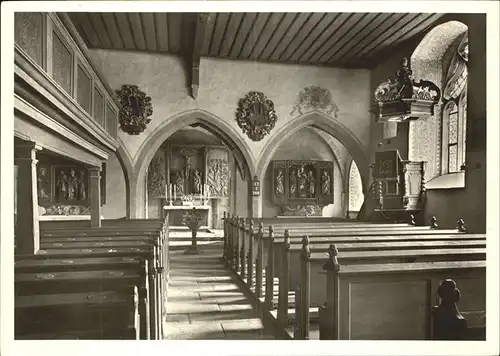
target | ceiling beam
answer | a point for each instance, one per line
(199, 37)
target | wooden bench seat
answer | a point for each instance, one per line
(151, 238)
(110, 314)
(371, 301)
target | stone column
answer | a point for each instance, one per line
(95, 196)
(27, 230)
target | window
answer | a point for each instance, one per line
(455, 110)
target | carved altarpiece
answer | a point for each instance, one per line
(302, 187)
(64, 189)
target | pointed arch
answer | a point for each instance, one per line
(125, 161)
(325, 123)
(239, 148)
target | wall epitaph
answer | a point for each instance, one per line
(315, 98)
(135, 109)
(256, 116)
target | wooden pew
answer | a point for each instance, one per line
(393, 301)
(59, 281)
(79, 257)
(98, 315)
(91, 254)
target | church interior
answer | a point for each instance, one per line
(250, 175)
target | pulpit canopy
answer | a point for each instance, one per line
(400, 98)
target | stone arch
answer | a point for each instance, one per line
(325, 123)
(430, 61)
(125, 161)
(242, 152)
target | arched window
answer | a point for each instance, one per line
(356, 197)
(455, 110)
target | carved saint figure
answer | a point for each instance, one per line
(82, 192)
(311, 184)
(293, 183)
(302, 179)
(41, 181)
(62, 185)
(197, 182)
(72, 185)
(279, 183)
(179, 184)
(404, 78)
(325, 183)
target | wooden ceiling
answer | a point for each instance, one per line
(332, 39)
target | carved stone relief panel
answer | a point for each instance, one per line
(156, 176)
(315, 98)
(425, 144)
(29, 34)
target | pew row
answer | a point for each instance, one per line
(108, 260)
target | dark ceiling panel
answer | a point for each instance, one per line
(161, 31)
(290, 34)
(278, 34)
(174, 32)
(124, 28)
(333, 39)
(254, 34)
(114, 32)
(360, 36)
(299, 38)
(243, 33)
(323, 37)
(272, 23)
(148, 24)
(231, 32)
(100, 30)
(209, 30)
(393, 20)
(402, 35)
(220, 29)
(372, 47)
(337, 37)
(348, 37)
(137, 31)
(90, 36)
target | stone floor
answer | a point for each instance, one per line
(205, 302)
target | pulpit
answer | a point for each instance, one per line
(399, 186)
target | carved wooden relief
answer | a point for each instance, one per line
(70, 185)
(58, 209)
(135, 109)
(218, 177)
(315, 98)
(256, 116)
(29, 34)
(156, 177)
(217, 166)
(302, 182)
(62, 63)
(303, 210)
